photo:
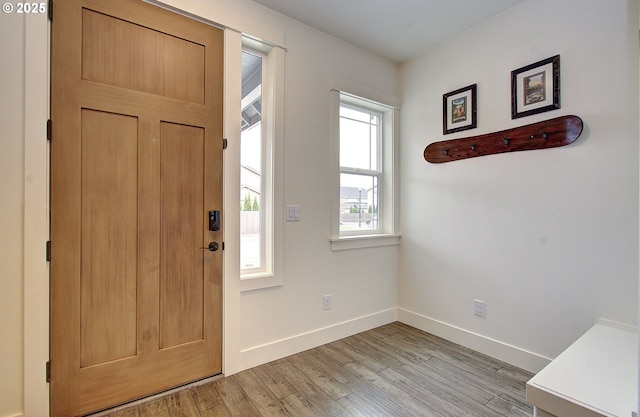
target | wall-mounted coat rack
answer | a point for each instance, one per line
(551, 133)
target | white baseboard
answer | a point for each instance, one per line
(513, 355)
(277, 349)
(15, 415)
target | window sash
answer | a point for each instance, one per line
(364, 209)
(373, 169)
(371, 121)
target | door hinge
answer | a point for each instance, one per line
(222, 245)
(50, 10)
(224, 143)
(48, 251)
(49, 129)
(48, 371)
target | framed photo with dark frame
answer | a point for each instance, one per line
(459, 109)
(535, 88)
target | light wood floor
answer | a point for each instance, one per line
(393, 371)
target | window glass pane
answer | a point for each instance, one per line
(356, 114)
(359, 139)
(251, 187)
(359, 202)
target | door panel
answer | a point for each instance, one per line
(141, 58)
(181, 182)
(136, 163)
(109, 253)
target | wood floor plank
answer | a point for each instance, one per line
(510, 407)
(181, 404)
(359, 407)
(453, 358)
(326, 363)
(479, 384)
(218, 411)
(515, 374)
(454, 351)
(356, 356)
(381, 343)
(377, 399)
(460, 393)
(388, 328)
(279, 386)
(409, 350)
(128, 412)
(234, 398)
(394, 370)
(326, 405)
(264, 400)
(447, 373)
(318, 375)
(297, 406)
(205, 396)
(334, 354)
(388, 361)
(389, 390)
(155, 408)
(437, 403)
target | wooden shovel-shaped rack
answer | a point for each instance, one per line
(551, 133)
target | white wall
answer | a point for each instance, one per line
(259, 325)
(548, 255)
(263, 325)
(549, 238)
(11, 210)
(266, 324)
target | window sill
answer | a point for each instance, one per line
(363, 241)
(258, 281)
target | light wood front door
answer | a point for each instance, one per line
(136, 165)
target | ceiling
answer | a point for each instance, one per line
(393, 29)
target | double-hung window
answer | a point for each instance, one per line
(360, 169)
(365, 210)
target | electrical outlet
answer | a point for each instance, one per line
(326, 302)
(478, 308)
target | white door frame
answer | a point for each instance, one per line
(36, 215)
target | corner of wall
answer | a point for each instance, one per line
(505, 352)
(257, 355)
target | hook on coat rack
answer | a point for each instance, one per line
(551, 133)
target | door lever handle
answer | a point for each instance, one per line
(213, 246)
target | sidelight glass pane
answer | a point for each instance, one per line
(252, 239)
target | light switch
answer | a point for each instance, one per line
(293, 213)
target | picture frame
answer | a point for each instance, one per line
(535, 88)
(459, 109)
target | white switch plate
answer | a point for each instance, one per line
(293, 213)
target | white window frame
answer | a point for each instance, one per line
(388, 210)
(266, 180)
(270, 273)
